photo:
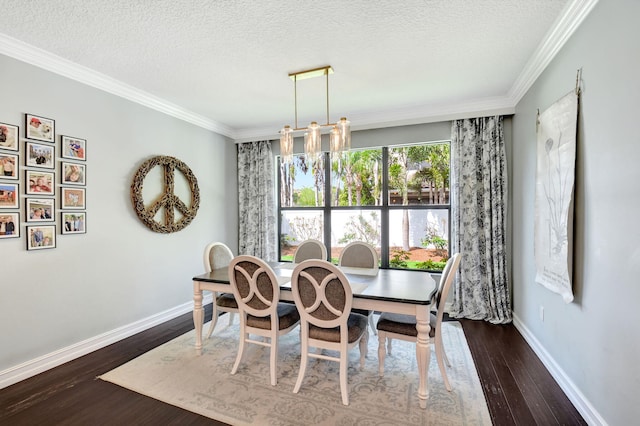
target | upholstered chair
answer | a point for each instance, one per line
(310, 249)
(323, 297)
(256, 289)
(359, 254)
(218, 255)
(397, 326)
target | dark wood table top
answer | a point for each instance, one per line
(393, 285)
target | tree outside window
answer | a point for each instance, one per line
(395, 198)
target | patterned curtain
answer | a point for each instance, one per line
(479, 214)
(256, 208)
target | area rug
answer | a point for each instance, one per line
(174, 374)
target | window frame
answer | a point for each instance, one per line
(384, 209)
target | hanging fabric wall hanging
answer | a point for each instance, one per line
(555, 176)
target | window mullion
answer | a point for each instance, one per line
(327, 203)
(384, 211)
(279, 207)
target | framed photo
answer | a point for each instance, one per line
(41, 237)
(9, 225)
(72, 198)
(9, 195)
(73, 173)
(40, 209)
(40, 128)
(9, 137)
(40, 155)
(74, 223)
(39, 182)
(74, 148)
(8, 166)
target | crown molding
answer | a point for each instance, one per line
(46, 60)
(401, 117)
(574, 13)
(434, 113)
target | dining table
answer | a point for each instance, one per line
(397, 291)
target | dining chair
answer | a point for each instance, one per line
(256, 289)
(218, 255)
(398, 326)
(310, 249)
(323, 297)
(358, 254)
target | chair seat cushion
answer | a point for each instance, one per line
(357, 325)
(226, 300)
(287, 313)
(403, 324)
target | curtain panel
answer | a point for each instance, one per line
(479, 214)
(256, 208)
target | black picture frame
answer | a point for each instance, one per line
(73, 148)
(40, 155)
(11, 220)
(9, 137)
(41, 237)
(40, 210)
(39, 128)
(73, 222)
(8, 159)
(73, 173)
(39, 182)
(9, 195)
(72, 198)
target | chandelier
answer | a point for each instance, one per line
(339, 135)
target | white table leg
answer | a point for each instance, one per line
(423, 353)
(198, 315)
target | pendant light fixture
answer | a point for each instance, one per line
(339, 135)
(286, 144)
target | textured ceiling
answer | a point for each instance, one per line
(224, 64)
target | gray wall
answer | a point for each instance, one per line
(595, 340)
(430, 132)
(119, 272)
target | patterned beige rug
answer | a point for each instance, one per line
(173, 373)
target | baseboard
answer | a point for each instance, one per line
(59, 357)
(584, 407)
(36, 366)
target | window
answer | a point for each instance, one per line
(395, 198)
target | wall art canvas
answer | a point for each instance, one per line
(555, 176)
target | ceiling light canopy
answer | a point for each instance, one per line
(339, 135)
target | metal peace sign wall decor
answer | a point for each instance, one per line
(167, 200)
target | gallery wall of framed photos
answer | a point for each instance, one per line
(46, 155)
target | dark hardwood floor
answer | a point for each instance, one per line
(518, 388)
